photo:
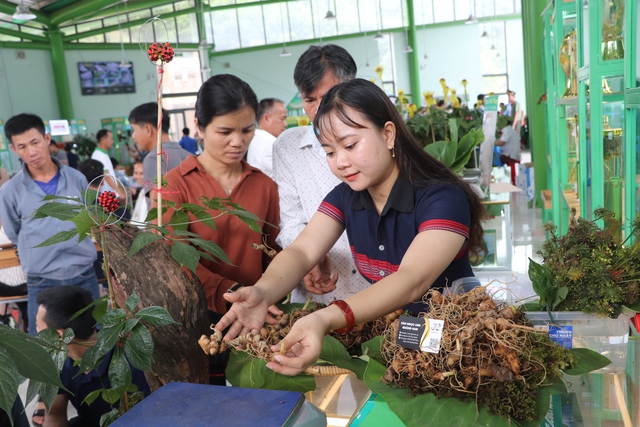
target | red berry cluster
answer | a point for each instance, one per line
(163, 52)
(109, 201)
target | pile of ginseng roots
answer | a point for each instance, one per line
(489, 353)
(259, 345)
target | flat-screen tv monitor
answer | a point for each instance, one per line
(102, 78)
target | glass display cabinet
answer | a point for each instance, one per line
(561, 80)
(589, 74)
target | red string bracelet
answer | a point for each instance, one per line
(348, 314)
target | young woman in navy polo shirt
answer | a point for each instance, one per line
(410, 220)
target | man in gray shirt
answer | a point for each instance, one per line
(144, 122)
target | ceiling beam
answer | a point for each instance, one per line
(77, 9)
(26, 36)
(131, 7)
(123, 25)
(10, 8)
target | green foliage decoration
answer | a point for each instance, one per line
(588, 269)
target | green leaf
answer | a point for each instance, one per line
(531, 306)
(246, 371)
(426, 409)
(142, 240)
(9, 382)
(248, 218)
(192, 207)
(113, 317)
(132, 302)
(214, 203)
(83, 224)
(184, 233)
(156, 316)
(560, 295)
(101, 307)
(60, 237)
(335, 353)
(129, 324)
(109, 417)
(212, 248)
(61, 211)
(100, 301)
(151, 215)
(30, 359)
(119, 373)
(372, 347)
(139, 347)
(89, 195)
(588, 360)
(106, 339)
(453, 130)
(91, 397)
(205, 218)
(111, 396)
(185, 255)
(539, 276)
(179, 220)
(444, 151)
(48, 393)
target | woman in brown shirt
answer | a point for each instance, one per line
(225, 119)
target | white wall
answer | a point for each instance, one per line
(27, 85)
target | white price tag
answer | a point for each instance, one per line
(430, 341)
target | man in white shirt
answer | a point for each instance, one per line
(101, 154)
(272, 121)
(304, 178)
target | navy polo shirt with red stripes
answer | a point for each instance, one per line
(379, 242)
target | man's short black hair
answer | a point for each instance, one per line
(440, 103)
(21, 123)
(102, 133)
(481, 97)
(317, 60)
(148, 114)
(265, 106)
(186, 131)
(61, 303)
(91, 169)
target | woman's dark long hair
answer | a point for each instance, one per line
(223, 94)
(415, 165)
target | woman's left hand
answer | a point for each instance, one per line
(302, 346)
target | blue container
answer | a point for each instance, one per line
(191, 405)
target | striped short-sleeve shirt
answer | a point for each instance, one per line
(379, 242)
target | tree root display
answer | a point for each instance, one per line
(488, 352)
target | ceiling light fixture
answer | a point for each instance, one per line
(330, 15)
(23, 13)
(123, 63)
(284, 52)
(407, 48)
(485, 34)
(471, 19)
(378, 36)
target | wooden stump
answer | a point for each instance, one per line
(157, 279)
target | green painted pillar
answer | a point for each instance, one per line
(414, 66)
(60, 75)
(532, 29)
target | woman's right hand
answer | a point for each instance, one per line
(247, 313)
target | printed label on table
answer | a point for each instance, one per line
(417, 333)
(562, 335)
